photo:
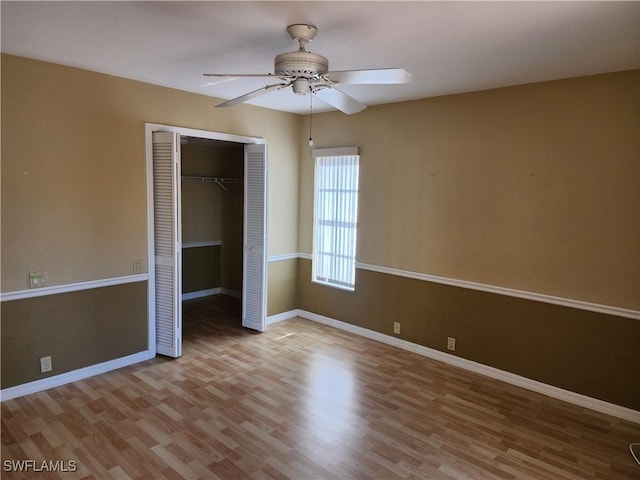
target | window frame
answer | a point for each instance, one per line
(321, 277)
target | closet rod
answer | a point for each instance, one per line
(191, 178)
(217, 180)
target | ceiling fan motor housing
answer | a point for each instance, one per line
(301, 64)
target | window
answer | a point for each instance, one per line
(335, 216)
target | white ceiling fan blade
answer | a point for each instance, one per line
(380, 76)
(340, 100)
(250, 95)
(239, 75)
(218, 82)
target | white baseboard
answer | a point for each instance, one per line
(211, 291)
(73, 376)
(279, 317)
(201, 293)
(507, 377)
(231, 293)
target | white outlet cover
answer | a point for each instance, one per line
(45, 364)
(37, 279)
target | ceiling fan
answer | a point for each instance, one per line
(308, 72)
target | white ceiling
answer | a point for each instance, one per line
(449, 47)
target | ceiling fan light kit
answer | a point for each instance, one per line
(308, 72)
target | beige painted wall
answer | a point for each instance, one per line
(232, 255)
(283, 290)
(201, 212)
(73, 168)
(534, 187)
(77, 329)
(210, 213)
(201, 202)
(585, 352)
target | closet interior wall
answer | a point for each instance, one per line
(212, 218)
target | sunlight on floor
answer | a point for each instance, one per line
(331, 407)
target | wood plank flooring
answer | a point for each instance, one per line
(304, 401)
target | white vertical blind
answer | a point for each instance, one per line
(335, 217)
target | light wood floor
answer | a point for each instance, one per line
(304, 401)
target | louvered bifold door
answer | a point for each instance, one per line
(166, 222)
(254, 297)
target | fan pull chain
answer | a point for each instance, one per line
(310, 115)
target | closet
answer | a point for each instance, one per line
(212, 218)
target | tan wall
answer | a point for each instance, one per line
(74, 203)
(585, 352)
(535, 187)
(210, 213)
(201, 268)
(77, 329)
(73, 168)
(283, 288)
(201, 212)
(201, 202)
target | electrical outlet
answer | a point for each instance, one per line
(38, 279)
(137, 266)
(396, 328)
(451, 343)
(45, 364)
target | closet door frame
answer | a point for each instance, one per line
(149, 129)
